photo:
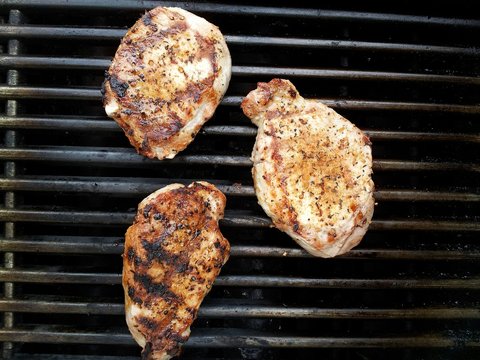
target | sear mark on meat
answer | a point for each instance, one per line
(173, 252)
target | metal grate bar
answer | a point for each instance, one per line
(232, 218)
(38, 305)
(248, 10)
(132, 186)
(373, 105)
(115, 185)
(27, 356)
(114, 246)
(52, 334)
(222, 130)
(61, 277)
(419, 136)
(26, 122)
(103, 124)
(351, 75)
(102, 64)
(10, 169)
(120, 156)
(79, 33)
(25, 92)
(117, 156)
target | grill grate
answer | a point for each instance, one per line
(71, 184)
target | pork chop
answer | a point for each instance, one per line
(173, 252)
(312, 169)
(168, 76)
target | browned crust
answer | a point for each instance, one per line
(148, 119)
(176, 237)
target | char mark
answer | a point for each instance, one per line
(218, 245)
(130, 254)
(107, 78)
(154, 289)
(144, 145)
(366, 140)
(119, 87)
(133, 296)
(150, 324)
(295, 227)
(158, 216)
(155, 251)
(175, 337)
(169, 129)
(146, 210)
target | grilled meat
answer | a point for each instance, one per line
(173, 252)
(312, 169)
(168, 76)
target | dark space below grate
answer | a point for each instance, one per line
(408, 76)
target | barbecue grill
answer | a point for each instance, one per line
(71, 183)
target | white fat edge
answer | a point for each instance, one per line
(159, 153)
(186, 333)
(112, 107)
(194, 21)
(130, 314)
(328, 250)
(263, 168)
(178, 324)
(165, 189)
(264, 191)
(225, 68)
(308, 245)
(196, 121)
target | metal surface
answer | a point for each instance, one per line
(45, 32)
(24, 92)
(218, 311)
(71, 183)
(10, 171)
(248, 11)
(69, 63)
(99, 125)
